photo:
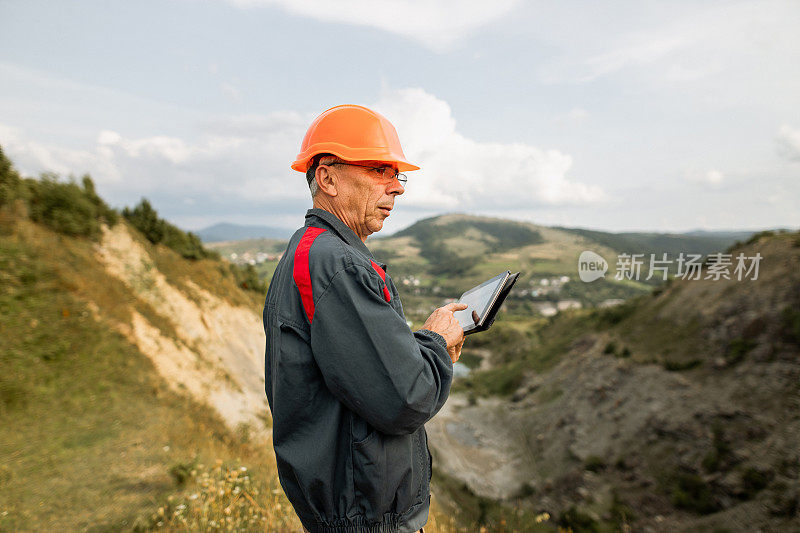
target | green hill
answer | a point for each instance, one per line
(443, 256)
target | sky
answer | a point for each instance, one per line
(619, 116)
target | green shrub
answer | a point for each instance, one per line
(247, 278)
(594, 464)
(470, 360)
(754, 481)
(64, 207)
(621, 514)
(611, 316)
(576, 520)
(158, 231)
(719, 453)
(107, 214)
(611, 349)
(785, 501)
(790, 325)
(499, 381)
(678, 366)
(692, 493)
(187, 244)
(181, 472)
(11, 184)
(145, 219)
(738, 349)
(526, 490)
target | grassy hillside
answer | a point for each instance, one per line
(91, 435)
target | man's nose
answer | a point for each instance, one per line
(395, 187)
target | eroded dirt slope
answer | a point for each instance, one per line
(215, 349)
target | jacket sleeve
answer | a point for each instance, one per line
(371, 361)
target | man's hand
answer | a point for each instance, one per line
(445, 324)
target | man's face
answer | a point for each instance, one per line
(365, 196)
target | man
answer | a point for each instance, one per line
(350, 386)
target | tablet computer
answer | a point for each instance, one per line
(483, 302)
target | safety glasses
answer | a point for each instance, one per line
(387, 173)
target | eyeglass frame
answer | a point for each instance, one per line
(402, 178)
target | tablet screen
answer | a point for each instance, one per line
(478, 300)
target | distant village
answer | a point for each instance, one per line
(544, 293)
(253, 258)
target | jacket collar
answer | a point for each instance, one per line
(348, 235)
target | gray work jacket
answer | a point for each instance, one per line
(350, 386)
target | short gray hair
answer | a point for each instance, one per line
(311, 173)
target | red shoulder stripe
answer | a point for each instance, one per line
(302, 274)
(386, 294)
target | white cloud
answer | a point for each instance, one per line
(461, 173)
(246, 159)
(33, 158)
(248, 164)
(789, 143)
(438, 24)
(711, 177)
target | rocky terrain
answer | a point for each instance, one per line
(678, 411)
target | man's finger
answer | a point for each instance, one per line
(455, 306)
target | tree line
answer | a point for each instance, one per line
(73, 207)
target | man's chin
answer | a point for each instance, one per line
(376, 226)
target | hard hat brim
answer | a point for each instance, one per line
(347, 153)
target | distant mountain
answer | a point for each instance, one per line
(234, 232)
(734, 234)
(695, 242)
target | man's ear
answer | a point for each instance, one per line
(326, 181)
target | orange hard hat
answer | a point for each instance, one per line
(352, 133)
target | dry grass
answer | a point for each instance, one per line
(226, 498)
(222, 497)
